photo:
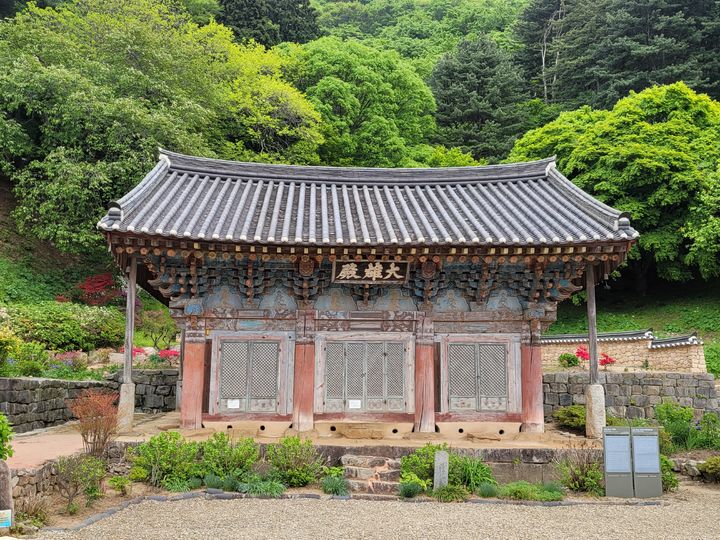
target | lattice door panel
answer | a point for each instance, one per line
(370, 375)
(249, 376)
(477, 377)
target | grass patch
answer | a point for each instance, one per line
(525, 491)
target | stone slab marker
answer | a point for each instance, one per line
(440, 478)
(6, 499)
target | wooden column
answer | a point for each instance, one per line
(126, 405)
(533, 414)
(304, 385)
(592, 323)
(193, 382)
(424, 386)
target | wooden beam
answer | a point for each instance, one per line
(592, 322)
(130, 319)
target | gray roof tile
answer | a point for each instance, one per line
(514, 204)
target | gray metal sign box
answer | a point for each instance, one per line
(646, 462)
(618, 462)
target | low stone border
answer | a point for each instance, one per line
(218, 494)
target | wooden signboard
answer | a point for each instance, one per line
(370, 272)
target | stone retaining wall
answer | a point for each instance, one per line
(633, 394)
(34, 403)
(31, 403)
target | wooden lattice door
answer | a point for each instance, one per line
(249, 376)
(477, 376)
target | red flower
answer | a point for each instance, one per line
(582, 353)
(605, 359)
(166, 354)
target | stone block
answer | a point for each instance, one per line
(565, 400)
(558, 387)
(551, 399)
(639, 400)
(635, 412)
(686, 401)
(637, 389)
(652, 390)
(700, 403)
(704, 392)
(667, 391)
(577, 388)
(578, 399)
(163, 390)
(547, 410)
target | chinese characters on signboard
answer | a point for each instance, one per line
(369, 272)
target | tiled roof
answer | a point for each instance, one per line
(633, 335)
(680, 341)
(515, 204)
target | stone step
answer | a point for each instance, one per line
(351, 460)
(374, 486)
(361, 473)
(392, 475)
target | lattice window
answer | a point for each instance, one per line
(249, 375)
(477, 377)
(370, 375)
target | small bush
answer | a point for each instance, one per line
(35, 509)
(412, 478)
(410, 489)
(6, 436)
(667, 448)
(487, 490)
(195, 483)
(567, 360)
(79, 473)
(93, 472)
(72, 508)
(295, 461)
(669, 478)
(121, 484)
(581, 471)
(522, 490)
(97, 417)
(175, 484)
(333, 471)
(167, 454)
(138, 474)
(571, 417)
(266, 488)
(421, 462)
(229, 483)
(221, 457)
(451, 493)
(335, 485)
(711, 469)
(469, 471)
(213, 481)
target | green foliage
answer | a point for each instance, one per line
(468, 471)
(669, 478)
(294, 461)
(63, 326)
(522, 490)
(6, 436)
(138, 474)
(451, 493)
(412, 478)
(266, 488)
(627, 422)
(175, 484)
(487, 490)
(159, 327)
(221, 457)
(333, 471)
(271, 21)
(477, 90)
(570, 417)
(580, 471)
(213, 481)
(711, 468)
(92, 471)
(121, 484)
(421, 462)
(335, 485)
(651, 155)
(676, 421)
(80, 473)
(374, 107)
(410, 489)
(72, 508)
(167, 455)
(568, 360)
(195, 483)
(712, 358)
(91, 89)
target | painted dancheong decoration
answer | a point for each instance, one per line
(315, 294)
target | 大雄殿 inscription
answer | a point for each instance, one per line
(372, 272)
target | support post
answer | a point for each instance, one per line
(595, 392)
(424, 386)
(533, 413)
(193, 382)
(304, 385)
(126, 406)
(178, 385)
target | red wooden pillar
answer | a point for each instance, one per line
(304, 385)
(533, 414)
(193, 383)
(424, 386)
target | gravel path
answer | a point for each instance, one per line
(690, 514)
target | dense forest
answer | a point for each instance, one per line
(624, 93)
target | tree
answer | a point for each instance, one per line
(373, 105)
(477, 90)
(90, 90)
(271, 21)
(656, 156)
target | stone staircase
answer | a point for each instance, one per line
(372, 474)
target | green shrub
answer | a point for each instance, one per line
(712, 358)
(6, 435)
(667, 447)
(175, 484)
(522, 490)
(195, 483)
(571, 417)
(121, 484)
(266, 488)
(213, 481)
(669, 478)
(581, 471)
(64, 326)
(229, 483)
(72, 508)
(451, 493)
(678, 422)
(138, 474)
(335, 485)
(294, 461)
(92, 471)
(487, 490)
(410, 489)
(221, 457)
(711, 469)
(79, 473)
(166, 455)
(421, 462)
(333, 471)
(468, 471)
(568, 360)
(626, 422)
